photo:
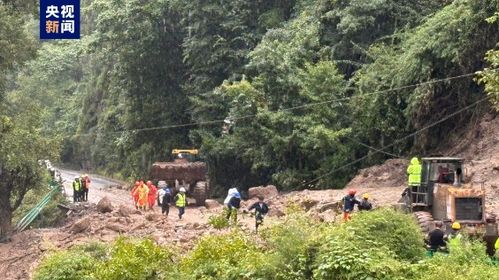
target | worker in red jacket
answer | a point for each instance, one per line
(135, 195)
(153, 192)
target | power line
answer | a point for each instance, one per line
(397, 141)
(371, 147)
(285, 109)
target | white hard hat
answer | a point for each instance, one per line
(182, 189)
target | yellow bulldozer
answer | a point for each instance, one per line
(186, 170)
(444, 196)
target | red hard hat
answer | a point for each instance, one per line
(148, 183)
(137, 183)
(352, 191)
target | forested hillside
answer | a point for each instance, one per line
(312, 89)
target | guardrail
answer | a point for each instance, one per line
(35, 211)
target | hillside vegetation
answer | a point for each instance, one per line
(312, 89)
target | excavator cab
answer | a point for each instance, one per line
(435, 171)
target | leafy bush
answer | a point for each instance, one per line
(125, 259)
(228, 256)
(467, 260)
(292, 243)
(385, 227)
(377, 244)
(134, 260)
(66, 265)
(339, 259)
(219, 221)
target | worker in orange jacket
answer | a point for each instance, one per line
(134, 194)
(153, 191)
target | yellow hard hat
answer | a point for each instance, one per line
(456, 225)
(366, 196)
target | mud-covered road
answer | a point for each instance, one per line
(99, 187)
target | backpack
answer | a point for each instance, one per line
(235, 202)
(167, 197)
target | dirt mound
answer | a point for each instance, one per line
(19, 256)
(392, 173)
(480, 148)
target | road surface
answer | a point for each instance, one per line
(99, 187)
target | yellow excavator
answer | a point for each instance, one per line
(186, 170)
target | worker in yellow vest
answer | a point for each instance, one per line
(181, 202)
(76, 189)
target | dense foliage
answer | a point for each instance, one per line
(308, 86)
(368, 247)
(22, 139)
(123, 260)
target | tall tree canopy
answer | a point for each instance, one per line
(307, 85)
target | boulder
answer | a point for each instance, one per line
(267, 192)
(105, 205)
(211, 204)
(274, 212)
(153, 217)
(80, 225)
(116, 227)
(125, 211)
(327, 206)
(139, 226)
(308, 203)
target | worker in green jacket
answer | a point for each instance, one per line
(414, 172)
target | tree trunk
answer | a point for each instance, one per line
(5, 217)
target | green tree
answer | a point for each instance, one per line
(449, 43)
(21, 146)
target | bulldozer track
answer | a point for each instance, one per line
(425, 221)
(200, 192)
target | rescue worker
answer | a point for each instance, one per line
(365, 204)
(349, 202)
(233, 206)
(181, 202)
(142, 192)
(456, 228)
(76, 189)
(153, 191)
(414, 179)
(414, 172)
(85, 187)
(166, 200)
(455, 235)
(436, 238)
(135, 195)
(261, 209)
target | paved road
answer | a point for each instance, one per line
(99, 188)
